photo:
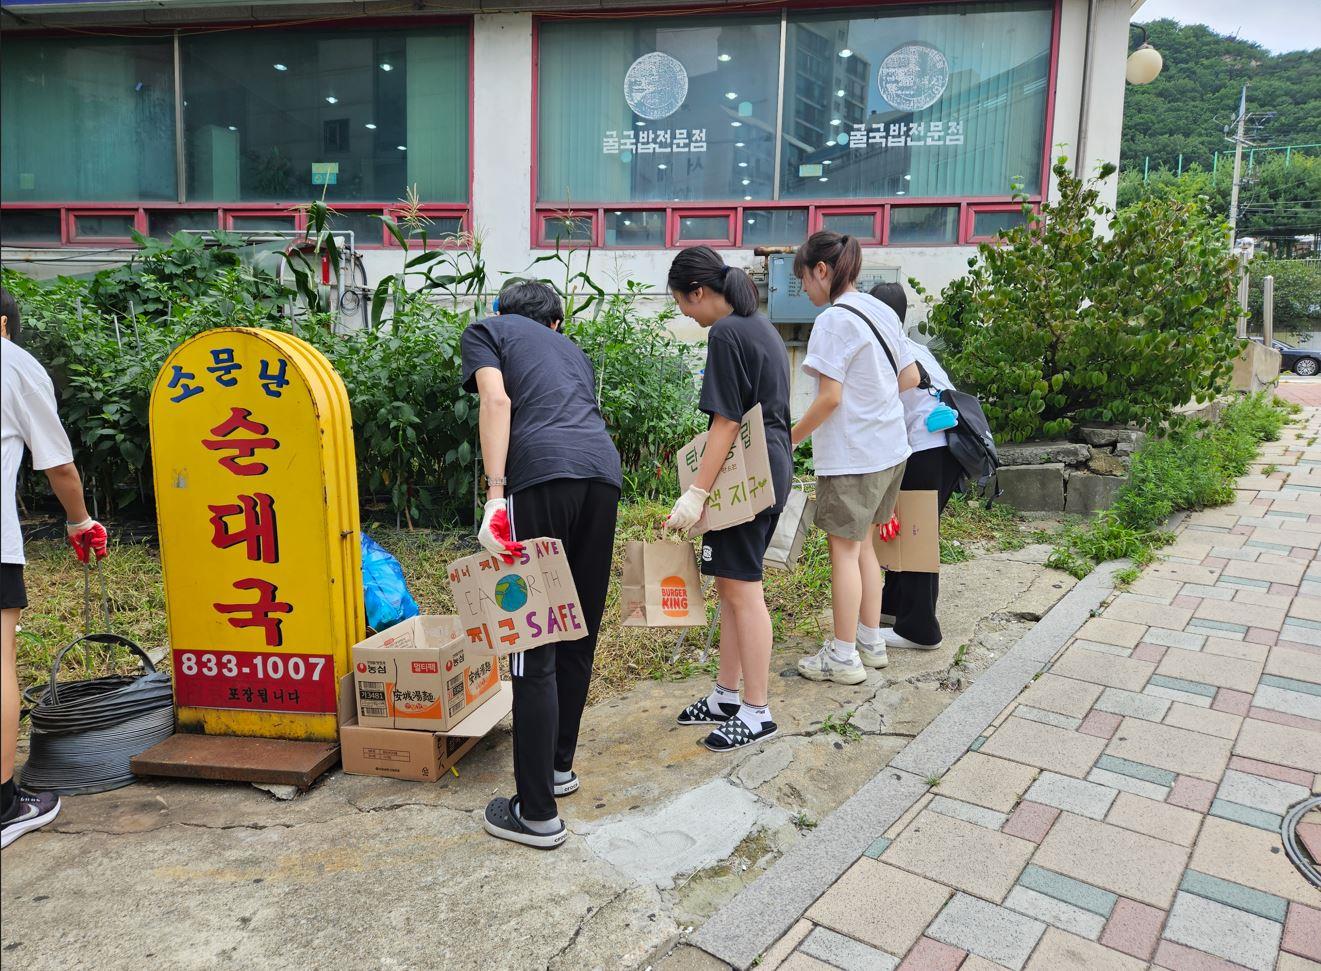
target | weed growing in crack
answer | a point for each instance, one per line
(842, 725)
(1126, 576)
(933, 781)
(960, 656)
(804, 822)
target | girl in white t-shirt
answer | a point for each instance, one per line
(861, 362)
(908, 599)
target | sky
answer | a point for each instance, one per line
(1277, 25)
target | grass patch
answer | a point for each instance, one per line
(624, 655)
(1127, 575)
(1192, 467)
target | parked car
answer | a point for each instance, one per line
(1304, 362)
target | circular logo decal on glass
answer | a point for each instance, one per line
(913, 77)
(655, 86)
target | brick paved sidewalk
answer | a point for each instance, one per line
(1124, 811)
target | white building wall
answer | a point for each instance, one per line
(502, 160)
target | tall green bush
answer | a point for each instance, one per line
(1060, 324)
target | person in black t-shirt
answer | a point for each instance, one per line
(551, 470)
(746, 364)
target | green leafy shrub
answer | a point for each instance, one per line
(1059, 325)
(1191, 468)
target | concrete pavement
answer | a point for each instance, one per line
(1124, 810)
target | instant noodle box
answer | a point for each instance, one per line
(419, 675)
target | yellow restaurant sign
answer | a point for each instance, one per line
(257, 506)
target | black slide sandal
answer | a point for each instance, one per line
(700, 713)
(501, 822)
(734, 735)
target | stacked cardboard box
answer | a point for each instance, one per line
(418, 700)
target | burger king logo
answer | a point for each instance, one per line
(674, 597)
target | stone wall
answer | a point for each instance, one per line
(1074, 477)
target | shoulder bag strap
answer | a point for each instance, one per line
(889, 355)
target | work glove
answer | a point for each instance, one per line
(86, 538)
(494, 532)
(687, 509)
(888, 531)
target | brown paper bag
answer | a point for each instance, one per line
(917, 547)
(661, 586)
(509, 608)
(743, 488)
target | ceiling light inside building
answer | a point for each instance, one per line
(846, 53)
(908, 178)
(724, 58)
(747, 182)
(738, 145)
(736, 124)
(839, 93)
(824, 178)
(828, 161)
(743, 165)
(731, 95)
(233, 128)
(752, 222)
(331, 99)
(280, 67)
(835, 121)
(662, 166)
(747, 198)
(387, 66)
(402, 148)
(628, 222)
(370, 126)
(640, 124)
(900, 192)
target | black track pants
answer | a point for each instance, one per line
(911, 597)
(550, 682)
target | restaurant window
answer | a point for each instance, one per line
(657, 109)
(774, 227)
(103, 225)
(20, 226)
(362, 115)
(943, 100)
(164, 223)
(923, 225)
(87, 119)
(987, 224)
(635, 228)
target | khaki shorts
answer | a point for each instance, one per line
(848, 506)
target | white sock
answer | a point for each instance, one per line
(542, 827)
(845, 652)
(870, 636)
(755, 717)
(721, 695)
(562, 777)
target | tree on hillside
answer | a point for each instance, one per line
(1197, 93)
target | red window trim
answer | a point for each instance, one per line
(970, 219)
(542, 240)
(224, 213)
(879, 225)
(675, 217)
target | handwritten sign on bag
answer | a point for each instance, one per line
(743, 487)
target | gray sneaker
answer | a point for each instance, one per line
(822, 667)
(873, 655)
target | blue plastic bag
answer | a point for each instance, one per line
(385, 593)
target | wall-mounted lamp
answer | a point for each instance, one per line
(1144, 64)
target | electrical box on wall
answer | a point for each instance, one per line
(786, 303)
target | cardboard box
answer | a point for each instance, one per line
(419, 756)
(917, 547)
(418, 675)
(506, 608)
(743, 488)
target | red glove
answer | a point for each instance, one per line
(493, 533)
(86, 538)
(888, 531)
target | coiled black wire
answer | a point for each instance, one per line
(1289, 833)
(85, 733)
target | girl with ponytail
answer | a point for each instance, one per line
(861, 361)
(746, 365)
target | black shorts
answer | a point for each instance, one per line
(13, 595)
(736, 553)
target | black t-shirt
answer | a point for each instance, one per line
(746, 363)
(556, 430)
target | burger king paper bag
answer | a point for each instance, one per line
(506, 608)
(660, 586)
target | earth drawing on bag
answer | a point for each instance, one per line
(511, 592)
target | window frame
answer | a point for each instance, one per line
(970, 219)
(224, 209)
(881, 206)
(880, 223)
(675, 217)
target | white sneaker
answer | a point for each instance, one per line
(873, 655)
(894, 640)
(822, 667)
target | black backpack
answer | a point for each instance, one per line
(970, 441)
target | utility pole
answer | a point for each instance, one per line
(1238, 164)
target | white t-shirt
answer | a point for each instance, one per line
(28, 418)
(918, 402)
(866, 433)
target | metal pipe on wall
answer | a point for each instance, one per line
(1084, 106)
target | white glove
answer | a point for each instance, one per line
(493, 534)
(687, 509)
